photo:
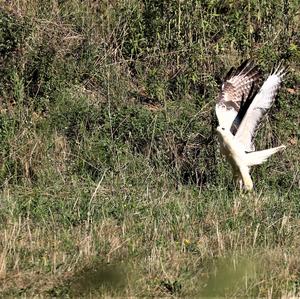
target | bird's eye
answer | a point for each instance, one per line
(223, 129)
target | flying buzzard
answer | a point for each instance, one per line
(239, 110)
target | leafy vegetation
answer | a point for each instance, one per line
(111, 178)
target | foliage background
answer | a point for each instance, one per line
(111, 178)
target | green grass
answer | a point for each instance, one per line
(111, 179)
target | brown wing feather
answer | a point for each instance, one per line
(237, 86)
(243, 109)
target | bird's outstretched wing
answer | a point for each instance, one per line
(262, 101)
(236, 88)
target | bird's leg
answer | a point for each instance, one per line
(238, 179)
(246, 178)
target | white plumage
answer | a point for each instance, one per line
(239, 111)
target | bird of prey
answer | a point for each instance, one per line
(239, 110)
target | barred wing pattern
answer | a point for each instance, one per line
(236, 89)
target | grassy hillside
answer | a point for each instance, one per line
(111, 178)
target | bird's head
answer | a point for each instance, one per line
(221, 130)
(224, 133)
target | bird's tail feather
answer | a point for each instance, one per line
(259, 157)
